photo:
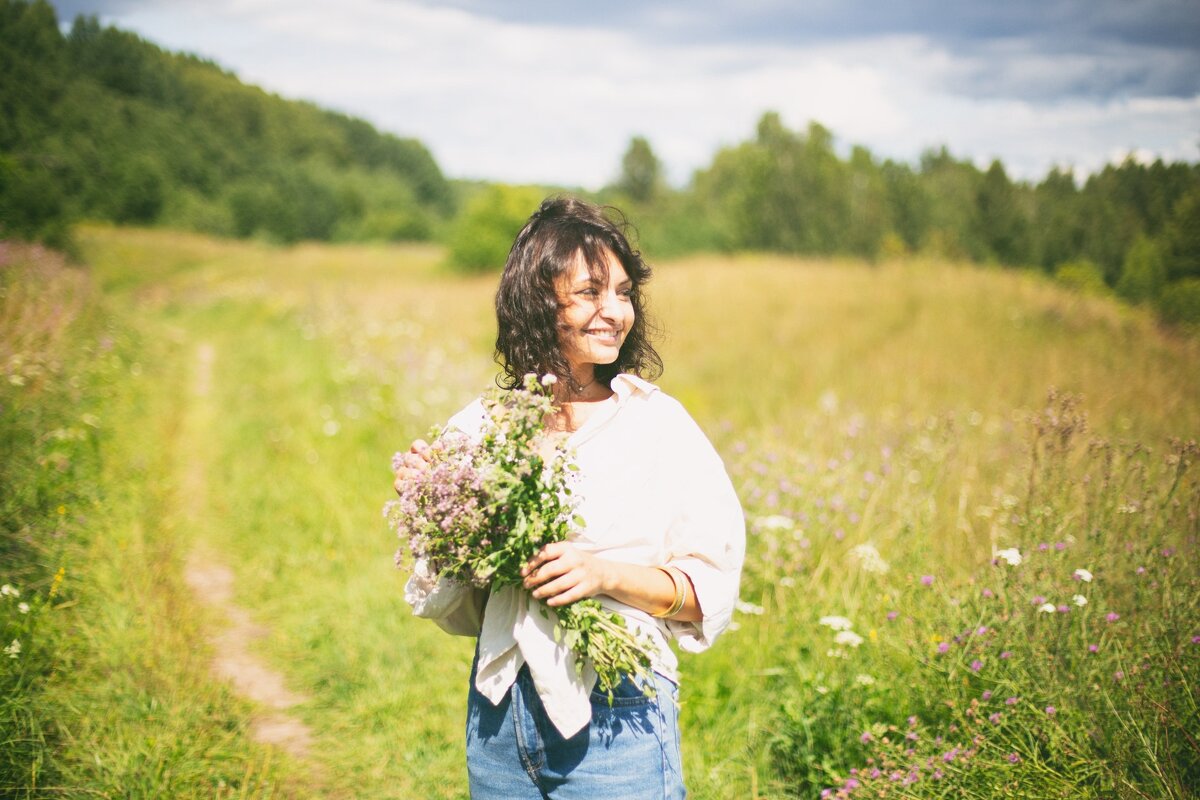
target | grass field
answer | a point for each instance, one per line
(890, 429)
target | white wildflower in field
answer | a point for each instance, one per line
(775, 522)
(749, 608)
(1083, 575)
(829, 402)
(868, 558)
(8, 590)
(1047, 608)
(849, 638)
(837, 623)
(549, 379)
(23, 608)
(1079, 600)
(864, 680)
(1011, 556)
(14, 649)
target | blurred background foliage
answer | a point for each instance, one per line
(100, 124)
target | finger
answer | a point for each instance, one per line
(556, 587)
(546, 571)
(547, 553)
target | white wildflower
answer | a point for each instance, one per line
(23, 608)
(835, 652)
(14, 649)
(868, 558)
(1047, 608)
(7, 590)
(549, 379)
(787, 580)
(822, 689)
(1011, 555)
(864, 680)
(848, 638)
(837, 623)
(1083, 575)
(748, 608)
(775, 522)
(1079, 600)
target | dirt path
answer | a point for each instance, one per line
(213, 582)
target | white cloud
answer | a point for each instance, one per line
(557, 104)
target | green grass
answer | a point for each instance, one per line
(897, 405)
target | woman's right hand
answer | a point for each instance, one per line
(412, 463)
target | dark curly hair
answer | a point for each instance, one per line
(527, 304)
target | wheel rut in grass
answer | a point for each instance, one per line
(212, 581)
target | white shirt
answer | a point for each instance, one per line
(653, 492)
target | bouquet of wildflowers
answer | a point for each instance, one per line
(484, 509)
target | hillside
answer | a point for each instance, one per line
(101, 124)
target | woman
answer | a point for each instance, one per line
(662, 544)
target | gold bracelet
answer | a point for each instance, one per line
(680, 584)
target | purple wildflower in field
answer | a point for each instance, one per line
(1063, 608)
(912, 736)
(1038, 600)
(912, 721)
(994, 718)
(1140, 571)
(1093, 648)
(937, 775)
(988, 593)
(1011, 701)
(1119, 675)
(943, 647)
(1043, 547)
(891, 615)
(1112, 616)
(927, 580)
(987, 694)
(866, 737)
(1051, 711)
(1168, 552)
(1060, 545)
(1196, 640)
(1005, 654)
(976, 665)
(1014, 758)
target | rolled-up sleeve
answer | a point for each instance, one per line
(707, 536)
(456, 607)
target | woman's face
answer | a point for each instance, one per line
(594, 319)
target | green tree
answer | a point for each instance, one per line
(483, 235)
(641, 172)
(1144, 272)
(1001, 225)
(1182, 236)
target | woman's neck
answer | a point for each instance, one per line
(583, 386)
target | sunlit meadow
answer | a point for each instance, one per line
(971, 500)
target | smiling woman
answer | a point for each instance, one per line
(662, 542)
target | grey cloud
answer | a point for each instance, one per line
(1136, 47)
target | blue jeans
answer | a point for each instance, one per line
(628, 752)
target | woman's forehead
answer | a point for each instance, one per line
(605, 268)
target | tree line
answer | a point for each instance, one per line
(101, 124)
(98, 123)
(1131, 228)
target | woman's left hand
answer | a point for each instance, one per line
(561, 573)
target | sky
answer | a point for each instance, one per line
(551, 91)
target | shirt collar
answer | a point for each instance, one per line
(626, 384)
